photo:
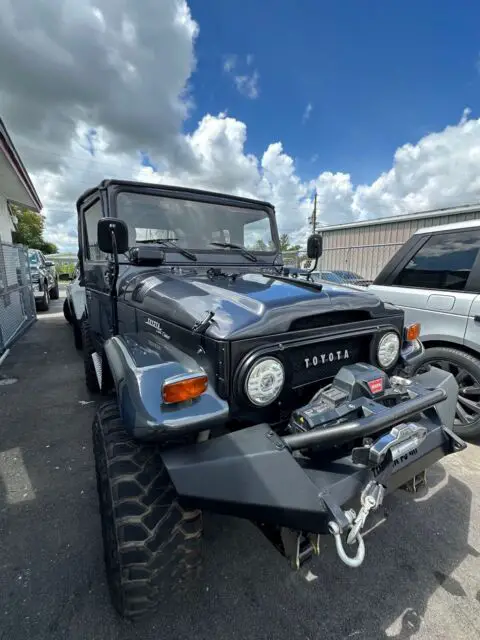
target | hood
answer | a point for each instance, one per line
(251, 305)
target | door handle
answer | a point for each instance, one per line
(476, 318)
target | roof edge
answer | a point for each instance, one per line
(420, 215)
(168, 187)
(18, 166)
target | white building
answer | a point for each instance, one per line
(17, 305)
(15, 185)
(365, 247)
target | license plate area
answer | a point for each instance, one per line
(322, 360)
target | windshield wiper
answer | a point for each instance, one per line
(231, 245)
(170, 243)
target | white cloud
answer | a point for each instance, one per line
(246, 81)
(229, 63)
(307, 113)
(125, 73)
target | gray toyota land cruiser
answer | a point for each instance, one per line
(233, 388)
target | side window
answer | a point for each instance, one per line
(92, 215)
(443, 262)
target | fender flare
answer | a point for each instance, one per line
(138, 372)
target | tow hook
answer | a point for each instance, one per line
(371, 499)
(350, 561)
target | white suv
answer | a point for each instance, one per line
(435, 278)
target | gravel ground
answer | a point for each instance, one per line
(420, 578)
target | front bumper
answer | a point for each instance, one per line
(255, 474)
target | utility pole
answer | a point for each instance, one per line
(313, 218)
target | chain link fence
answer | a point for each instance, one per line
(358, 264)
(17, 302)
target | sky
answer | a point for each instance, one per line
(374, 105)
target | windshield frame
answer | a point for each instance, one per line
(180, 193)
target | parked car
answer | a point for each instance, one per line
(220, 367)
(328, 276)
(44, 279)
(435, 278)
(316, 276)
(74, 306)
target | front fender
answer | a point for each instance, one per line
(138, 371)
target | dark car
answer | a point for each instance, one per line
(44, 279)
(237, 389)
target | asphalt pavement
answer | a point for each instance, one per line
(420, 578)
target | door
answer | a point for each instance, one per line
(435, 286)
(95, 268)
(472, 333)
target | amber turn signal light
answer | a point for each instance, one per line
(184, 389)
(412, 332)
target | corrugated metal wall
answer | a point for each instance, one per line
(365, 249)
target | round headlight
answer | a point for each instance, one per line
(388, 350)
(264, 381)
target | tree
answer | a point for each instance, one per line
(29, 228)
(260, 245)
(285, 244)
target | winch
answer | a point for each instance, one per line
(349, 396)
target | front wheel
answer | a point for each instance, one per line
(55, 292)
(44, 303)
(466, 370)
(151, 543)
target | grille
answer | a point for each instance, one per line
(322, 360)
(332, 318)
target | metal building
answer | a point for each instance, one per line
(365, 247)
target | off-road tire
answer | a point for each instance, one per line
(152, 545)
(55, 292)
(88, 349)
(67, 312)
(44, 303)
(460, 359)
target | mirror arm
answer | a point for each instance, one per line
(310, 271)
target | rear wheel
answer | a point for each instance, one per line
(152, 545)
(466, 370)
(91, 379)
(77, 335)
(66, 311)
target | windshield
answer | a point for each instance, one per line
(193, 225)
(33, 257)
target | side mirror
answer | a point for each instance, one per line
(314, 246)
(105, 228)
(49, 263)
